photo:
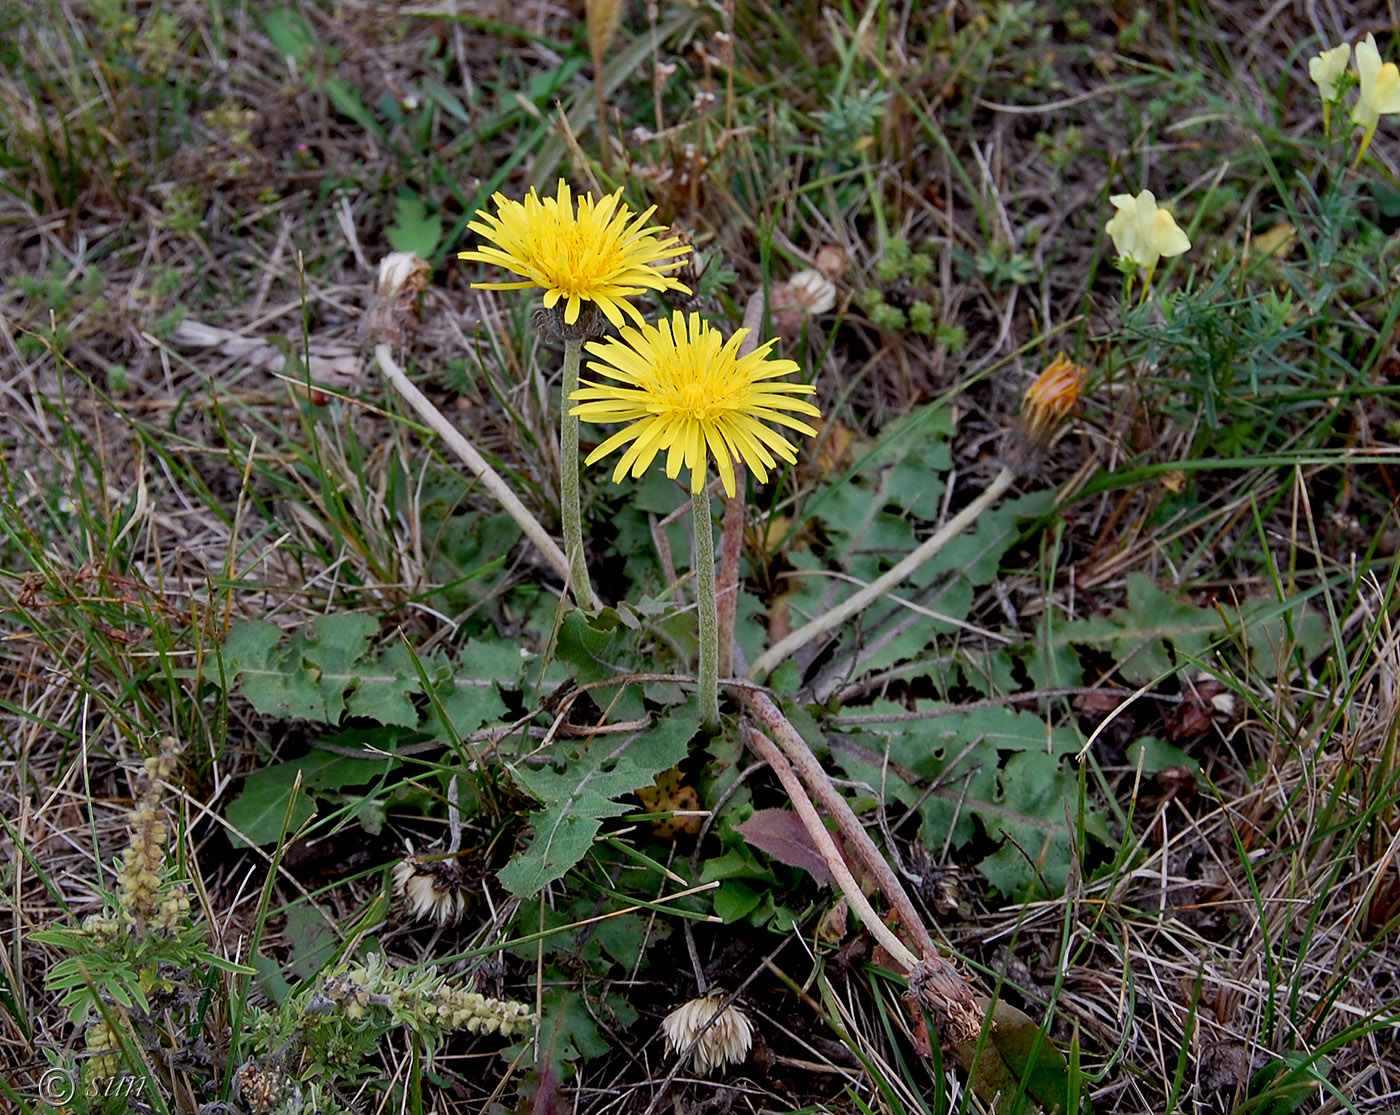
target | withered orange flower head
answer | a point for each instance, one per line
(1046, 404)
(1053, 393)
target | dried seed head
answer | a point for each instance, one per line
(940, 989)
(393, 304)
(726, 1042)
(810, 291)
(432, 889)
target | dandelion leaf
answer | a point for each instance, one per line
(1160, 632)
(1016, 1068)
(258, 811)
(384, 692)
(307, 678)
(580, 795)
(997, 770)
(1157, 632)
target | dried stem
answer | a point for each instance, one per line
(473, 460)
(760, 706)
(569, 509)
(936, 984)
(829, 621)
(732, 529)
(765, 749)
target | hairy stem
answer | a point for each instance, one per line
(732, 529)
(831, 620)
(709, 618)
(568, 485)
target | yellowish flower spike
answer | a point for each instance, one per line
(1142, 233)
(603, 254)
(686, 391)
(1380, 90)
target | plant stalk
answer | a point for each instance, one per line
(709, 611)
(568, 481)
(732, 529)
(464, 449)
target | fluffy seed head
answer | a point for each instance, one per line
(727, 1042)
(431, 889)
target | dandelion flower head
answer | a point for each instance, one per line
(1053, 393)
(686, 391)
(1044, 408)
(601, 253)
(432, 889)
(1143, 233)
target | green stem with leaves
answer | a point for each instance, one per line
(568, 487)
(709, 609)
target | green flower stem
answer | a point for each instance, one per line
(568, 485)
(709, 610)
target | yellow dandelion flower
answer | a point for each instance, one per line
(685, 390)
(602, 254)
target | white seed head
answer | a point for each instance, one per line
(400, 273)
(812, 291)
(431, 889)
(727, 1042)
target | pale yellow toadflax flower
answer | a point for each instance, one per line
(1380, 90)
(1144, 233)
(727, 1042)
(1327, 69)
